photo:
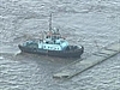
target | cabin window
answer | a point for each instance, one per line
(49, 47)
(44, 46)
(62, 41)
(58, 43)
(57, 48)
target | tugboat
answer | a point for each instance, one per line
(52, 45)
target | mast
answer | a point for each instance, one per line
(50, 22)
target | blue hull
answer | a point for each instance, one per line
(63, 54)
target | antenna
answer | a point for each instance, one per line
(50, 22)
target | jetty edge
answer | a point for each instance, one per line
(95, 59)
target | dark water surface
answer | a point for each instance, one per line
(92, 23)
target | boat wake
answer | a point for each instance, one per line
(9, 50)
